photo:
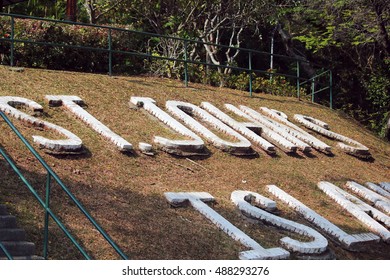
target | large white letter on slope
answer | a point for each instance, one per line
(275, 126)
(357, 149)
(71, 145)
(349, 241)
(72, 103)
(264, 131)
(178, 147)
(385, 186)
(378, 189)
(242, 200)
(197, 201)
(359, 209)
(240, 127)
(180, 109)
(380, 202)
(295, 130)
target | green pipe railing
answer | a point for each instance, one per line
(5, 251)
(315, 80)
(185, 60)
(45, 203)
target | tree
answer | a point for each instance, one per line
(97, 9)
(352, 37)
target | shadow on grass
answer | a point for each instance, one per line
(142, 223)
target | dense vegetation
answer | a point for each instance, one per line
(351, 37)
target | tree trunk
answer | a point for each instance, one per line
(71, 10)
(384, 36)
(91, 10)
(291, 51)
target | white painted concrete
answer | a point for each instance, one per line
(264, 131)
(72, 144)
(178, 147)
(242, 200)
(197, 200)
(378, 189)
(72, 103)
(295, 130)
(359, 209)
(354, 148)
(184, 110)
(349, 241)
(276, 127)
(146, 148)
(385, 186)
(240, 127)
(380, 202)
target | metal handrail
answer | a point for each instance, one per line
(46, 203)
(153, 35)
(314, 81)
(110, 50)
(5, 251)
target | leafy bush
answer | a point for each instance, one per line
(73, 57)
(378, 95)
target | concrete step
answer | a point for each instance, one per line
(12, 234)
(7, 221)
(18, 248)
(13, 238)
(3, 210)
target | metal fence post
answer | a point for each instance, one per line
(185, 64)
(330, 90)
(250, 73)
(109, 52)
(47, 204)
(298, 81)
(12, 40)
(312, 89)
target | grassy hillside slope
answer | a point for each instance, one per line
(125, 192)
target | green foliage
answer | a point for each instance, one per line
(378, 95)
(351, 37)
(62, 58)
(275, 85)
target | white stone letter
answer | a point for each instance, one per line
(72, 144)
(197, 201)
(276, 127)
(178, 147)
(385, 186)
(240, 127)
(184, 110)
(357, 149)
(295, 130)
(72, 103)
(380, 202)
(378, 189)
(242, 200)
(264, 131)
(361, 210)
(349, 241)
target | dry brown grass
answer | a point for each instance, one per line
(125, 193)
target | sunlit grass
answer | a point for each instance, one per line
(125, 192)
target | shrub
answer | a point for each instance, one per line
(76, 57)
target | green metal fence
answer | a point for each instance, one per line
(45, 202)
(314, 84)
